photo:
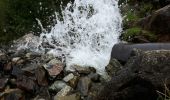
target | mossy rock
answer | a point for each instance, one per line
(130, 34)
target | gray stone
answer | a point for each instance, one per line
(94, 77)
(113, 67)
(57, 86)
(75, 96)
(81, 69)
(73, 82)
(41, 76)
(68, 77)
(3, 82)
(143, 75)
(84, 85)
(14, 60)
(63, 92)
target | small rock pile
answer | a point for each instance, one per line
(26, 75)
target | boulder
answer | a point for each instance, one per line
(122, 51)
(143, 75)
(158, 22)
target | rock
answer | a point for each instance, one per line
(63, 92)
(54, 61)
(29, 69)
(28, 40)
(158, 22)
(3, 82)
(26, 84)
(94, 77)
(16, 71)
(81, 70)
(54, 67)
(84, 85)
(54, 70)
(75, 96)
(94, 91)
(128, 89)
(73, 82)
(122, 51)
(143, 75)
(113, 67)
(41, 77)
(3, 57)
(12, 94)
(8, 67)
(12, 82)
(47, 57)
(43, 94)
(31, 55)
(16, 59)
(68, 77)
(57, 86)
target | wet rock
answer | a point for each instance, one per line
(122, 51)
(3, 82)
(54, 61)
(8, 67)
(47, 57)
(3, 56)
(84, 85)
(113, 67)
(54, 67)
(57, 86)
(81, 70)
(43, 94)
(94, 77)
(68, 77)
(41, 77)
(29, 40)
(32, 55)
(16, 71)
(29, 69)
(94, 91)
(16, 59)
(73, 82)
(12, 82)
(54, 70)
(75, 96)
(142, 76)
(26, 84)
(21, 61)
(63, 92)
(12, 94)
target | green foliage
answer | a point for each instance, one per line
(131, 16)
(130, 33)
(18, 17)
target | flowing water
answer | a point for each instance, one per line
(86, 33)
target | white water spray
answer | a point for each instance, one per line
(86, 34)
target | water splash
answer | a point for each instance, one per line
(86, 34)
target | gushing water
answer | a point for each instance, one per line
(86, 34)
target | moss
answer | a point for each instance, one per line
(131, 16)
(129, 34)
